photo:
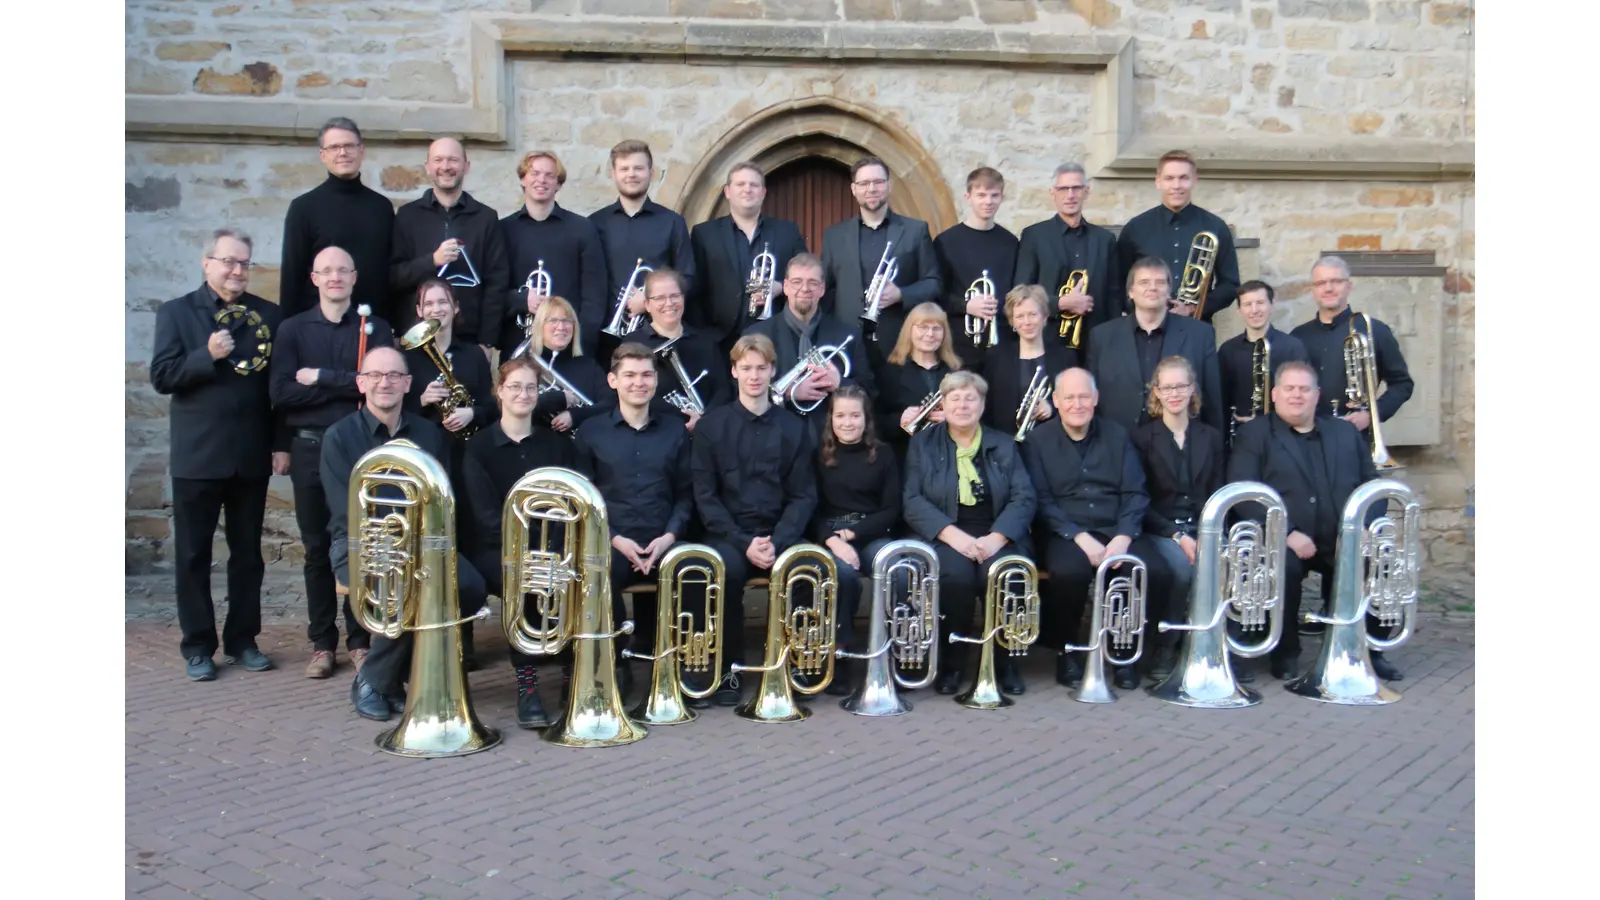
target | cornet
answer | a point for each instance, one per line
(1072, 324)
(929, 403)
(680, 647)
(983, 286)
(800, 639)
(759, 288)
(881, 278)
(1010, 622)
(618, 327)
(1361, 385)
(912, 628)
(1196, 281)
(818, 357)
(1038, 389)
(688, 400)
(1117, 619)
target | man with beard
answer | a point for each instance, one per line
(565, 245)
(1065, 243)
(724, 251)
(636, 230)
(339, 212)
(966, 251)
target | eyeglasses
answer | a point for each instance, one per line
(1169, 389)
(342, 272)
(1328, 282)
(1070, 188)
(390, 377)
(810, 285)
(229, 262)
(927, 328)
(874, 183)
(560, 323)
(662, 298)
(341, 148)
(520, 388)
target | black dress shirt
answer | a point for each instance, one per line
(1167, 236)
(468, 366)
(753, 475)
(1148, 344)
(491, 467)
(1094, 485)
(856, 493)
(1236, 358)
(873, 242)
(343, 445)
(340, 213)
(310, 341)
(1325, 524)
(1324, 346)
(656, 234)
(643, 473)
(570, 247)
(419, 228)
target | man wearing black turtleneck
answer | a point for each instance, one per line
(340, 212)
(969, 250)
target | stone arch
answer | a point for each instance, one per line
(827, 127)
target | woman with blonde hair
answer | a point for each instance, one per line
(922, 356)
(1010, 367)
(557, 342)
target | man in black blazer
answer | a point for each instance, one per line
(801, 326)
(852, 249)
(1314, 463)
(725, 250)
(1051, 250)
(1123, 352)
(225, 445)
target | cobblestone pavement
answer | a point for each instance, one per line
(268, 786)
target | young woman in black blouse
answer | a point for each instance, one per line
(1010, 366)
(922, 355)
(556, 341)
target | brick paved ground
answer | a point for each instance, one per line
(268, 786)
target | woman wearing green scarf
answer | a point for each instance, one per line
(967, 493)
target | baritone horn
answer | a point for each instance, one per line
(800, 639)
(1010, 623)
(1376, 572)
(403, 537)
(1197, 271)
(681, 647)
(1361, 385)
(1072, 323)
(619, 326)
(983, 286)
(903, 633)
(1240, 579)
(1116, 625)
(1038, 389)
(556, 549)
(759, 287)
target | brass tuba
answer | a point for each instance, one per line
(818, 356)
(1038, 389)
(1241, 580)
(403, 534)
(910, 629)
(758, 287)
(1197, 271)
(1361, 385)
(618, 327)
(1010, 622)
(556, 548)
(800, 639)
(1072, 324)
(982, 286)
(1377, 571)
(680, 647)
(424, 336)
(251, 351)
(1117, 619)
(882, 277)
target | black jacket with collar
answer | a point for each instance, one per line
(917, 274)
(830, 332)
(419, 228)
(720, 304)
(930, 496)
(1043, 259)
(1159, 456)
(1114, 362)
(1098, 487)
(1270, 451)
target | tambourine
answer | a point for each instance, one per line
(251, 348)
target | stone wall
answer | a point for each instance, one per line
(1322, 125)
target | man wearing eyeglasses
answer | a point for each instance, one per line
(1324, 338)
(566, 246)
(852, 250)
(725, 250)
(1052, 250)
(225, 443)
(340, 212)
(313, 384)
(447, 233)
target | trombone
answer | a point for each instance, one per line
(617, 327)
(680, 647)
(800, 639)
(1010, 622)
(882, 277)
(983, 286)
(759, 288)
(817, 357)
(1072, 323)
(1038, 389)
(1117, 620)
(1197, 271)
(1361, 385)
(909, 628)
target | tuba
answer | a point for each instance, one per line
(424, 336)
(403, 565)
(909, 628)
(252, 351)
(1376, 573)
(800, 640)
(688, 400)
(1241, 580)
(1361, 385)
(815, 358)
(679, 646)
(1197, 270)
(759, 288)
(1038, 389)
(1117, 619)
(1010, 622)
(617, 327)
(929, 403)
(1071, 324)
(882, 277)
(983, 286)
(556, 548)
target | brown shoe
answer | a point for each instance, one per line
(321, 665)
(357, 657)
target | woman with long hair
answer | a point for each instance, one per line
(922, 355)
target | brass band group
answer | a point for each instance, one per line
(975, 441)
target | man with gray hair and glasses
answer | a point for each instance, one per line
(1324, 338)
(1067, 242)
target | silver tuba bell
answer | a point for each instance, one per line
(1117, 620)
(912, 627)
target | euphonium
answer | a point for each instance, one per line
(424, 335)
(1038, 389)
(537, 285)
(800, 639)
(1197, 270)
(1117, 619)
(1376, 571)
(910, 628)
(618, 327)
(816, 358)
(568, 575)
(680, 647)
(983, 286)
(1240, 579)
(929, 403)
(253, 349)
(403, 579)
(1010, 622)
(1361, 385)
(1261, 377)
(759, 287)
(687, 400)
(882, 277)
(1071, 323)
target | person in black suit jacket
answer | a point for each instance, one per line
(1236, 356)
(725, 250)
(1051, 250)
(225, 443)
(1010, 367)
(1183, 466)
(852, 249)
(1123, 352)
(1314, 463)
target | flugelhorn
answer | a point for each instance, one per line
(1376, 572)
(904, 634)
(556, 548)
(882, 277)
(1010, 623)
(816, 358)
(424, 336)
(1116, 624)
(1361, 385)
(621, 323)
(554, 382)
(1197, 270)
(253, 348)
(537, 285)
(680, 646)
(929, 403)
(1072, 323)
(403, 566)
(983, 286)
(687, 400)
(1038, 389)
(1239, 579)
(759, 287)
(800, 639)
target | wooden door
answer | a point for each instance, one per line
(814, 193)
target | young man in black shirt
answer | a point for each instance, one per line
(1236, 356)
(1167, 233)
(967, 250)
(341, 212)
(543, 235)
(637, 228)
(1050, 251)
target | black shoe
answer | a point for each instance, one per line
(948, 681)
(530, 712)
(1386, 669)
(1285, 669)
(250, 658)
(1244, 670)
(728, 693)
(469, 655)
(201, 668)
(843, 678)
(1011, 679)
(397, 702)
(624, 678)
(696, 681)
(1166, 660)
(1126, 678)
(368, 702)
(1069, 669)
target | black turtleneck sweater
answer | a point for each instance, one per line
(854, 485)
(345, 214)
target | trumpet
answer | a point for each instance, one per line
(617, 327)
(1361, 385)
(909, 628)
(424, 335)
(929, 403)
(679, 646)
(1197, 270)
(800, 640)
(1038, 389)
(256, 346)
(983, 286)
(882, 277)
(1071, 323)
(1117, 619)
(759, 288)
(688, 400)
(815, 358)
(1010, 622)
(537, 285)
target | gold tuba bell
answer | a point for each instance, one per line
(1117, 620)
(1072, 324)
(1361, 385)
(1197, 271)
(680, 647)
(1010, 622)
(800, 639)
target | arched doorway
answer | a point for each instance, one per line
(813, 192)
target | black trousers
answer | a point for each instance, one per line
(1295, 571)
(196, 505)
(1071, 587)
(311, 515)
(388, 664)
(850, 584)
(963, 585)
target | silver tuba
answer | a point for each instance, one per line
(1240, 579)
(618, 326)
(1376, 572)
(759, 287)
(1117, 619)
(816, 358)
(882, 277)
(912, 628)
(687, 400)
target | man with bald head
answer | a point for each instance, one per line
(313, 384)
(339, 212)
(446, 233)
